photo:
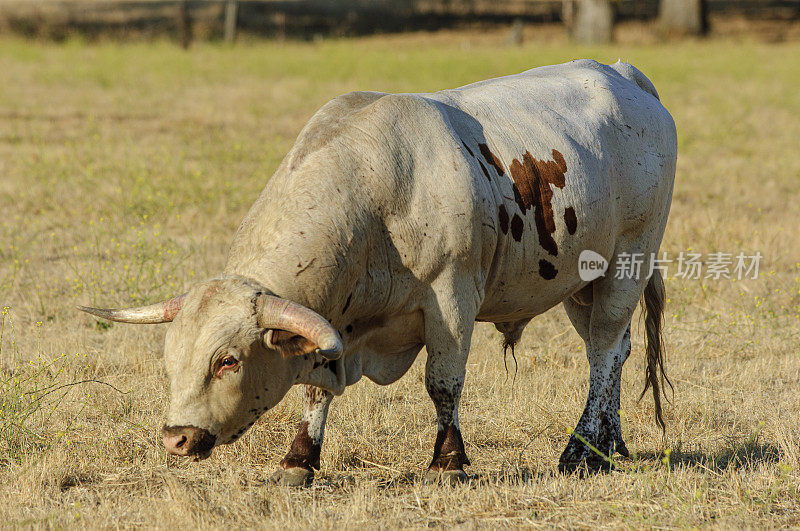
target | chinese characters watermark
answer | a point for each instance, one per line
(686, 265)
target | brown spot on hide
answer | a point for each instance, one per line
(172, 307)
(571, 220)
(314, 394)
(304, 452)
(532, 180)
(503, 218)
(471, 154)
(485, 171)
(347, 303)
(517, 226)
(448, 451)
(547, 270)
(491, 158)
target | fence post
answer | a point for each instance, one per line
(231, 13)
(184, 28)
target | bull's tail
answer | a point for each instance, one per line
(655, 375)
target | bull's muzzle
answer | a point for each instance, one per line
(188, 441)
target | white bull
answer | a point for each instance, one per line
(396, 222)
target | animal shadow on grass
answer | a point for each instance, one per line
(742, 453)
(745, 455)
(736, 455)
(409, 479)
(345, 480)
(513, 475)
(475, 479)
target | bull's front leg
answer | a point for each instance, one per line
(449, 457)
(297, 468)
(448, 330)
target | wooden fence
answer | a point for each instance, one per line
(306, 18)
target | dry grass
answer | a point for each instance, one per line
(124, 171)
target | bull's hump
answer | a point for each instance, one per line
(329, 122)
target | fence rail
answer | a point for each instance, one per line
(207, 18)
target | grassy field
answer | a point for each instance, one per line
(124, 172)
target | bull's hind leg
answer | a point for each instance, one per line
(448, 329)
(297, 468)
(604, 325)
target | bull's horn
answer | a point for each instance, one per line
(160, 312)
(280, 314)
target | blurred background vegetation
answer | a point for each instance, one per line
(588, 21)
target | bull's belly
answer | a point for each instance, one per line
(518, 300)
(527, 280)
(525, 297)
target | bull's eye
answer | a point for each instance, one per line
(228, 363)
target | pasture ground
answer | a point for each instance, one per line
(124, 172)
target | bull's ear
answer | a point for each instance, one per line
(288, 343)
(314, 331)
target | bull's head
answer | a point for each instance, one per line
(232, 352)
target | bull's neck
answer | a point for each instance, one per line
(283, 248)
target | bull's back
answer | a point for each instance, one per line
(511, 178)
(568, 157)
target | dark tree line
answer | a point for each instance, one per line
(591, 21)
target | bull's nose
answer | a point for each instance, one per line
(187, 440)
(176, 444)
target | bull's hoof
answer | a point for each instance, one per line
(445, 477)
(292, 477)
(621, 449)
(577, 454)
